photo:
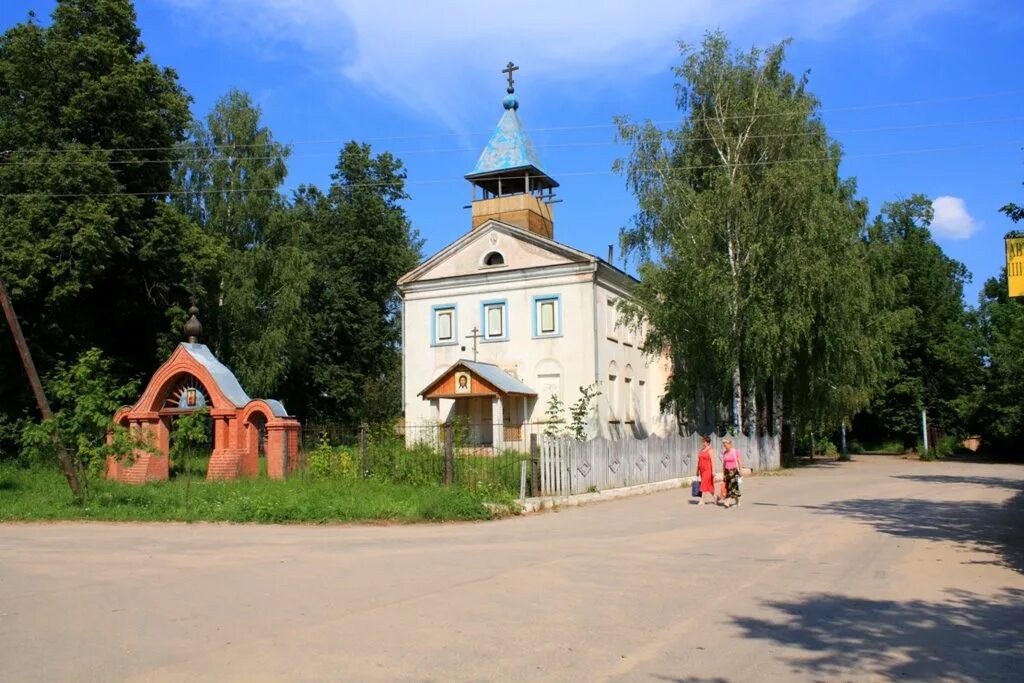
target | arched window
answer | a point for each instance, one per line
(628, 400)
(613, 391)
(494, 259)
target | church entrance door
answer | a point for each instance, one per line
(475, 413)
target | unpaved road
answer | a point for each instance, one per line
(872, 570)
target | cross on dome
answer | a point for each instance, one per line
(509, 70)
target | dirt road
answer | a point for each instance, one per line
(876, 569)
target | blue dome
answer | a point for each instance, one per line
(510, 102)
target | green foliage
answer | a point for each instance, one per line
(389, 459)
(1000, 415)
(581, 410)
(360, 242)
(1014, 213)
(87, 117)
(460, 431)
(257, 274)
(85, 396)
(937, 344)
(189, 435)
(946, 446)
(41, 494)
(824, 446)
(489, 474)
(332, 462)
(299, 299)
(752, 271)
(554, 414)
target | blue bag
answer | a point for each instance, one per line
(695, 488)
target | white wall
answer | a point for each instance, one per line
(589, 347)
(631, 402)
(566, 362)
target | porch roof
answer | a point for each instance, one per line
(488, 380)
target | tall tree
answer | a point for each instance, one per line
(255, 282)
(1000, 416)
(751, 267)
(88, 245)
(361, 242)
(936, 347)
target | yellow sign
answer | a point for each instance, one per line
(1015, 265)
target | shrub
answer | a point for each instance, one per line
(825, 446)
(86, 395)
(332, 462)
(946, 446)
(417, 466)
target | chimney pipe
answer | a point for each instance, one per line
(611, 253)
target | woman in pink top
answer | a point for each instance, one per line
(731, 465)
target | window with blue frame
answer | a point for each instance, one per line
(494, 315)
(444, 326)
(547, 316)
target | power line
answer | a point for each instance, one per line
(184, 159)
(436, 181)
(864, 107)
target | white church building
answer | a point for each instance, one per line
(505, 317)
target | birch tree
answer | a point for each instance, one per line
(747, 242)
(254, 292)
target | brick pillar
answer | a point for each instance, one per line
(251, 450)
(294, 441)
(277, 453)
(159, 464)
(225, 460)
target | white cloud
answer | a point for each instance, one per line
(443, 56)
(952, 220)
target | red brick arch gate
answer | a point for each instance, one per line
(193, 378)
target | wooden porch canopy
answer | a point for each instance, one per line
(469, 379)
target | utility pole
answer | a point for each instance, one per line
(924, 428)
(842, 440)
(37, 388)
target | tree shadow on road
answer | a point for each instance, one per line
(990, 482)
(990, 526)
(967, 637)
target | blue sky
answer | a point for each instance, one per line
(423, 81)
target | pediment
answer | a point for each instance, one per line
(518, 249)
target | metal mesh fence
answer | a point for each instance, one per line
(477, 456)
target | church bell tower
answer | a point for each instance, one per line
(509, 183)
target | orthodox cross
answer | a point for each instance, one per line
(508, 70)
(476, 335)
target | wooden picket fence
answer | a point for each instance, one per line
(569, 467)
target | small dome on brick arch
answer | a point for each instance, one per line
(494, 258)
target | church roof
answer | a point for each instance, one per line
(498, 377)
(496, 381)
(571, 254)
(510, 148)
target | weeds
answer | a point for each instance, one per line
(42, 494)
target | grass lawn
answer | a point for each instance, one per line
(42, 494)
